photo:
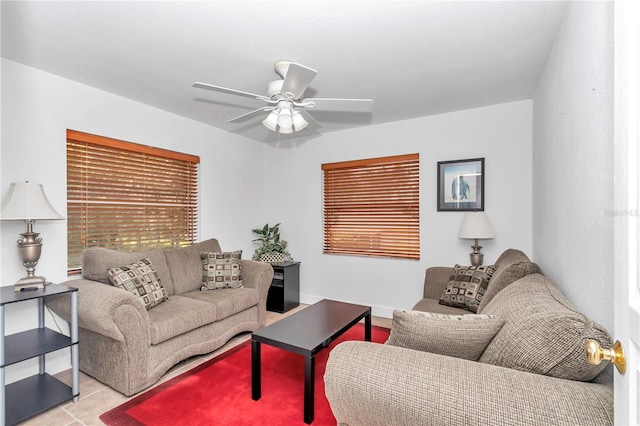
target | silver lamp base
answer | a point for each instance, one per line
(30, 247)
(476, 257)
(30, 283)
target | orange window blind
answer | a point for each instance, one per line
(371, 207)
(126, 196)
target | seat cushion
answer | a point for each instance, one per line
(432, 305)
(228, 301)
(179, 315)
(542, 333)
(460, 336)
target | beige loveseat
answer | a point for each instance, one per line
(128, 347)
(437, 370)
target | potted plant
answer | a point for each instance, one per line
(272, 248)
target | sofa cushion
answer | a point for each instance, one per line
(228, 301)
(511, 256)
(179, 315)
(221, 270)
(467, 285)
(543, 333)
(511, 265)
(433, 305)
(460, 336)
(185, 266)
(97, 260)
(140, 279)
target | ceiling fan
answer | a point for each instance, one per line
(285, 104)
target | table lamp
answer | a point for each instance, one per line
(28, 202)
(475, 226)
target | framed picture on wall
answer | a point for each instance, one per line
(461, 185)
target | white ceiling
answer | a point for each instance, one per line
(413, 58)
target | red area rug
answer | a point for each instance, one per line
(218, 392)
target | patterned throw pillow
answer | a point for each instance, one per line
(466, 286)
(221, 270)
(141, 279)
(460, 336)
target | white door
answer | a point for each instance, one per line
(626, 214)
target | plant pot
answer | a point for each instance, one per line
(273, 257)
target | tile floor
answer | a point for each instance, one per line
(96, 398)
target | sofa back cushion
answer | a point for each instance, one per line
(185, 265)
(510, 256)
(542, 332)
(97, 260)
(510, 266)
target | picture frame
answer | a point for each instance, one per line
(461, 185)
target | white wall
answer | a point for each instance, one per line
(573, 161)
(284, 183)
(500, 133)
(38, 107)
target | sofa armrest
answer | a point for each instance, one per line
(103, 309)
(258, 275)
(371, 384)
(436, 279)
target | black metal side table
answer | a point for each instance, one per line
(31, 396)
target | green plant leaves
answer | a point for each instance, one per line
(269, 241)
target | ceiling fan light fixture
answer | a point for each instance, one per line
(286, 130)
(299, 122)
(285, 120)
(271, 122)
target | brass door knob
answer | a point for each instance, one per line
(595, 354)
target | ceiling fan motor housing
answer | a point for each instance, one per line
(274, 88)
(281, 68)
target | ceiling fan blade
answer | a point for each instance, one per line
(329, 104)
(230, 91)
(251, 114)
(313, 123)
(297, 80)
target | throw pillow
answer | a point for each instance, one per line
(141, 279)
(221, 270)
(460, 336)
(466, 286)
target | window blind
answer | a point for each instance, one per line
(371, 207)
(128, 196)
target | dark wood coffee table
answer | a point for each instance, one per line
(307, 332)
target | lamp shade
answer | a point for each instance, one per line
(27, 201)
(475, 225)
(271, 122)
(284, 119)
(299, 122)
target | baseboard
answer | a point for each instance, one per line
(377, 310)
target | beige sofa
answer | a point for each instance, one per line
(531, 370)
(128, 347)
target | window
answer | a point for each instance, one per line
(127, 196)
(371, 207)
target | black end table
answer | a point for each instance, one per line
(35, 394)
(284, 292)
